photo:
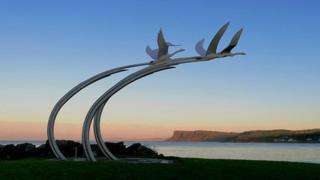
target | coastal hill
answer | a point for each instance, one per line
(277, 135)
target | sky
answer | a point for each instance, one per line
(48, 47)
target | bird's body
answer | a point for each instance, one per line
(162, 53)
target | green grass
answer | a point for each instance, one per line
(184, 169)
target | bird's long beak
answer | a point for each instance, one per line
(174, 53)
(170, 44)
(240, 53)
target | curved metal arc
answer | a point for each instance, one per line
(102, 100)
(160, 64)
(97, 118)
(97, 130)
(50, 127)
(98, 135)
(58, 106)
(97, 108)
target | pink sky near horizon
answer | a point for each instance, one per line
(145, 119)
(115, 132)
(132, 115)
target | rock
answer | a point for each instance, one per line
(44, 151)
(71, 148)
(116, 148)
(133, 148)
(137, 149)
(9, 152)
(68, 148)
(96, 150)
(25, 150)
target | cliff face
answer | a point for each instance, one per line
(280, 135)
(201, 136)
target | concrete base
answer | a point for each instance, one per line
(130, 160)
(147, 160)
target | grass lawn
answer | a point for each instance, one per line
(184, 169)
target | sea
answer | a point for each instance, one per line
(293, 152)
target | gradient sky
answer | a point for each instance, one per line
(47, 47)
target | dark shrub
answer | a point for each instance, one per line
(9, 152)
(25, 150)
(116, 148)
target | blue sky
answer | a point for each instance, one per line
(47, 47)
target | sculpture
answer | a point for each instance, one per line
(162, 60)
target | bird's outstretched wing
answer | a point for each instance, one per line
(233, 42)
(162, 44)
(199, 48)
(152, 53)
(216, 39)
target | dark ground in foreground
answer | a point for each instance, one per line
(182, 169)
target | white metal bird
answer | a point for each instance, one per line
(211, 52)
(163, 46)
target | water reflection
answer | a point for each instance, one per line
(251, 151)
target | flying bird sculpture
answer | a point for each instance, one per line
(156, 54)
(161, 60)
(211, 52)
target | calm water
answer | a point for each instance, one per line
(213, 150)
(252, 151)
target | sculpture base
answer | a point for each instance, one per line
(131, 160)
(147, 160)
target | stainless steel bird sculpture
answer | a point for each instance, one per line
(161, 60)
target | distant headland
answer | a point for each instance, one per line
(267, 136)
